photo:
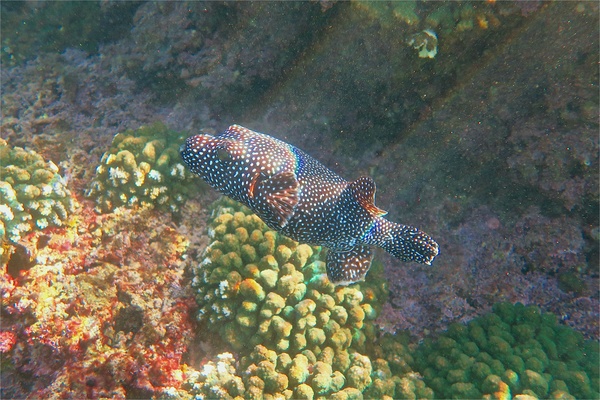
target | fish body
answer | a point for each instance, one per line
(298, 196)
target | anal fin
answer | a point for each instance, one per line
(346, 267)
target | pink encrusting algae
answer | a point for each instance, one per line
(101, 311)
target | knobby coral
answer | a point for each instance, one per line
(515, 350)
(297, 334)
(142, 168)
(33, 196)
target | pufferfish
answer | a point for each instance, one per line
(299, 197)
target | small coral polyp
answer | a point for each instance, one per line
(33, 196)
(142, 168)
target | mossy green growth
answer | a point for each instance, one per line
(269, 299)
(515, 350)
(401, 12)
(33, 196)
(143, 168)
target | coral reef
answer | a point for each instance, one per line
(248, 294)
(142, 168)
(33, 196)
(492, 145)
(515, 350)
(101, 312)
(269, 299)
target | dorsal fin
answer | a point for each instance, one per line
(363, 190)
(275, 197)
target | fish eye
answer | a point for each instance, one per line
(223, 155)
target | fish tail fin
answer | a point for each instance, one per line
(404, 242)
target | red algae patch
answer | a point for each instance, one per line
(103, 311)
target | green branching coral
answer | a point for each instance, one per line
(514, 350)
(142, 168)
(32, 193)
(270, 300)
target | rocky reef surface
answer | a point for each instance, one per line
(478, 121)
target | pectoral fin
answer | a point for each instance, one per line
(275, 197)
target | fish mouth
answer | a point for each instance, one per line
(185, 149)
(189, 144)
(185, 145)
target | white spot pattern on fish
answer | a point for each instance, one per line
(301, 198)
